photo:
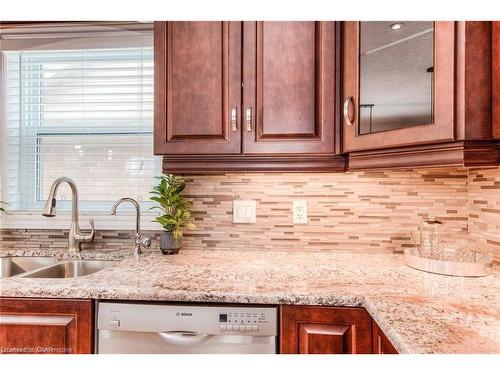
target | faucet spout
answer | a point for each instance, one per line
(137, 211)
(50, 206)
(75, 237)
(138, 240)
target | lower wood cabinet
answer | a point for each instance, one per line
(381, 344)
(63, 326)
(325, 330)
(46, 326)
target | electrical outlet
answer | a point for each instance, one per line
(300, 212)
(244, 212)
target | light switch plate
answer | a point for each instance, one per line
(244, 212)
(300, 212)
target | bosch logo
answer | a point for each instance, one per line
(184, 314)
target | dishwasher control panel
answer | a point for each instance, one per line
(199, 319)
(241, 320)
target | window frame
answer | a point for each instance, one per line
(32, 218)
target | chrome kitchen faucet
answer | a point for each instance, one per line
(138, 240)
(75, 237)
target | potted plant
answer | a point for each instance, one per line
(1, 208)
(176, 216)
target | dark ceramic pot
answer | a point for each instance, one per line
(169, 245)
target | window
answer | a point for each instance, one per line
(82, 113)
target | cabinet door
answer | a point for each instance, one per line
(325, 330)
(41, 326)
(289, 87)
(381, 344)
(197, 88)
(398, 84)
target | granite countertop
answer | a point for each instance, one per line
(63, 254)
(418, 312)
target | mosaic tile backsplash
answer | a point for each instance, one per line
(484, 209)
(362, 211)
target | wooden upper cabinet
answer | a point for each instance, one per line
(291, 96)
(418, 94)
(197, 88)
(289, 87)
(496, 79)
(398, 84)
(325, 330)
(42, 326)
(247, 96)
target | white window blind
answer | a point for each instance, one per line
(86, 114)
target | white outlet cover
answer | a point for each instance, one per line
(300, 212)
(244, 212)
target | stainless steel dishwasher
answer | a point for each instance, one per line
(178, 329)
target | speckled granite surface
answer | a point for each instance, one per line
(63, 254)
(419, 312)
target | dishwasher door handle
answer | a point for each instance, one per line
(183, 337)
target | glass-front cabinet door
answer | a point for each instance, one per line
(398, 83)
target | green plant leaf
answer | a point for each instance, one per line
(179, 189)
(157, 207)
(177, 234)
(160, 200)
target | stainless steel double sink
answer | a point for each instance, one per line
(49, 267)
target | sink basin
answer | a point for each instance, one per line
(70, 269)
(12, 265)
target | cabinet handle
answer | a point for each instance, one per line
(248, 118)
(346, 111)
(234, 121)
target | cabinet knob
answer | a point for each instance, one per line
(347, 118)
